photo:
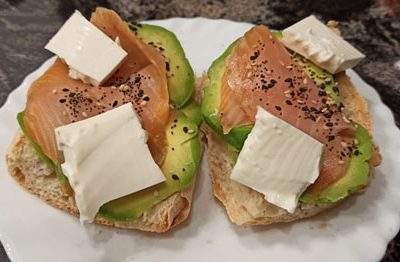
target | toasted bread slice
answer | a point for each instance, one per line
(248, 207)
(33, 175)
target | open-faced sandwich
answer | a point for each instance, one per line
(110, 131)
(289, 136)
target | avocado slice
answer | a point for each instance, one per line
(192, 110)
(356, 176)
(179, 168)
(211, 101)
(180, 73)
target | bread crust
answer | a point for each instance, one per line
(245, 206)
(21, 160)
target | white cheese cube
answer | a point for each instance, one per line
(278, 160)
(317, 42)
(91, 55)
(106, 157)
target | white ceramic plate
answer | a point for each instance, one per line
(358, 230)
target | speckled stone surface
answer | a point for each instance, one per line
(372, 26)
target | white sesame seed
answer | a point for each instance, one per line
(340, 162)
(356, 141)
(54, 91)
(270, 36)
(288, 91)
(113, 87)
(305, 81)
(98, 103)
(84, 114)
(325, 127)
(318, 118)
(300, 101)
(190, 131)
(282, 64)
(249, 74)
(156, 193)
(248, 67)
(313, 101)
(143, 103)
(64, 113)
(345, 119)
(288, 95)
(343, 144)
(289, 67)
(324, 109)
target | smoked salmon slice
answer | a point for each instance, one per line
(261, 72)
(55, 99)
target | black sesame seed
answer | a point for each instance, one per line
(335, 89)
(115, 103)
(329, 124)
(185, 129)
(146, 98)
(175, 177)
(330, 138)
(278, 108)
(312, 118)
(65, 89)
(62, 100)
(255, 55)
(288, 102)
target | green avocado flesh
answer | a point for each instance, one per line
(180, 73)
(180, 165)
(357, 174)
(193, 111)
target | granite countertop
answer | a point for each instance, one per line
(372, 26)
